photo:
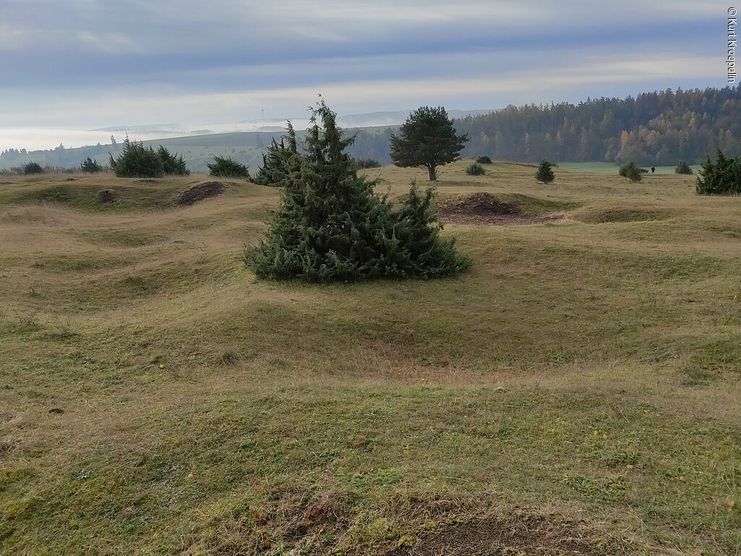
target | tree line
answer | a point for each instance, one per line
(655, 128)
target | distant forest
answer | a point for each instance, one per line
(652, 128)
(659, 128)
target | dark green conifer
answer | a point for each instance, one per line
(226, 167)
(721, 176)
(545, 172)
(630, 171)
(91, 166)
(331, 225)
(427, 138)
(683, 168)
(279, 160)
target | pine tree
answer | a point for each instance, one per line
(424, 253)
(331, 225)
(172, 165)
(545, 172)
(721, 176)
(279, 161)
(428, 139)
(683, 168)
(91, 166)
(630, 171)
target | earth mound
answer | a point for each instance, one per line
(617, 215)
(200, 192)
(484, 208)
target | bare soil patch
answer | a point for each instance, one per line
(106, 196)
(484, 208)
(200, 192)
(523, 534)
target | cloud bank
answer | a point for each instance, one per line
(85, 64)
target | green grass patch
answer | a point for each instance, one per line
(575, 391)
(617, 215)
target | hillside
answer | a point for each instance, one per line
(575, 392)
(197, 150)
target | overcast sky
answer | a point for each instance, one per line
(85, 64)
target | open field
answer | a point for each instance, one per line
(576, 391)
(612, 168)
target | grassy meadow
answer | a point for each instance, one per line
(612, 168)
(577, 391)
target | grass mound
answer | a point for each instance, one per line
(615, 215)
(479, 205)
(107, 194)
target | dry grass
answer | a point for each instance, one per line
(578, 389)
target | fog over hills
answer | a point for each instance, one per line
(32, 139)
(651, 128)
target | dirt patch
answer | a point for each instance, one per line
(201, 191)
(106, 196)
(303, 523)
(484, 208)
(523, 534)
(299, 522)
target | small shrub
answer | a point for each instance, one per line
(91, 166)
(483, 160)
(138, 161)
(172, 165)
(721, 176)
(32, 168)
(545, 172)
(226, 167)
(683, 168)
(364, 163)
(630, 171)
(475, 169)
(229, 358)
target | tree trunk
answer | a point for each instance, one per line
(433, 173)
